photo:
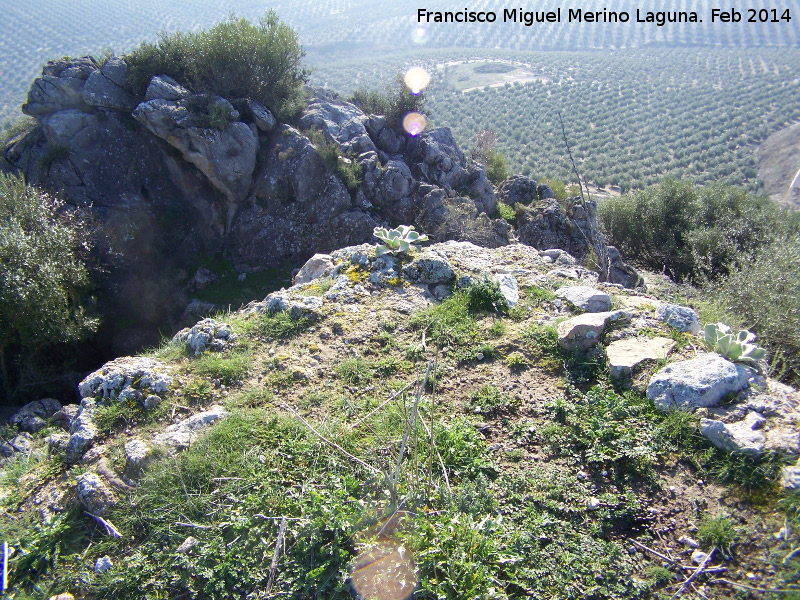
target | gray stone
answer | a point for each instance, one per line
(743, 436)
(201, 279)
(339, 121)
(152, 402)
(206, 334)
(314, 268)
(681, 318)
(103, 564)
(508, 287)
(127, 373)
(625, 355)
(83, 432)
(163, 87)
(182, 435)
(187, 545)
(197, 310)
(93, 494)
(64, 417)
(261, 116)
(565, 273)
(585, 298)
(227, 157)
(428, 267)
(702, 381)
(584, 331)
(138, 455)
(790, 477)
(22, 443)
(106, 88)
(59, 87)
(57, 442)
(32, 417)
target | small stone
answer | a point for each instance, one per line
(585, 298)
(187, 545)
(479, 356)
(681, 318)
(687, 541)
(593, 503)
(151, 402)
(242, 276)
(93, 494)
(64, 596)
(699, 557)
(103, 564)
(581, 476)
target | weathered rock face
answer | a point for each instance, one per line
(227, 157)
(699, 382)
(165, 186)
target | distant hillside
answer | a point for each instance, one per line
(778, 163)
(38, 30)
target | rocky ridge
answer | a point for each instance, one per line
(342, 299)
(175, 175)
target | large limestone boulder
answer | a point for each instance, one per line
(128, 376)
(340, 121)
(584, 331)
(226, 156)
(60, 86)
(108, 87)
(702, 381)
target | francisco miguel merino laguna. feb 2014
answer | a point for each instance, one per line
(574, 15)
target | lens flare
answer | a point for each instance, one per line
(414, 123)
(419, 35)
(384, 572)
(417, 79)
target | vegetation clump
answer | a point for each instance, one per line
(45, 281)
(233, 59)
(395, 102)
(692, 233)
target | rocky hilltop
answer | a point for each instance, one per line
(174, 175)
(566, 431)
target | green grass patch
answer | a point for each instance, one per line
(229, 367)
(279, 325)
(491, 401)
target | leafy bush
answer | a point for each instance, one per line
(44, 279)
(496, 167)
(346, 167)
(233, 59)
(764, 293)
(506, 212)
(395, 102)
(484, 294)
(691, 233)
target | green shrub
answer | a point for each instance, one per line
(233, 59)
(395, 102)
(558, 187)
(506, 212)
(496, 167)
(691, 233)
(44, 278)
(717, 531)
(484, 294)
(346, 167)
(764, 293)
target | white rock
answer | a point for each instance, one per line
(187, 545)
(93, 494)
(135, 372)
(742, 436)
(103, 564)
(584, 331)
(508, 287)
(699, 557)
(702, 381)
(681, 318)
(181, 435)
(625, 355)
(315, 267)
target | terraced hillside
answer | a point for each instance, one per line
(39, 30)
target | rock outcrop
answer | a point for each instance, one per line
(175, 174)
